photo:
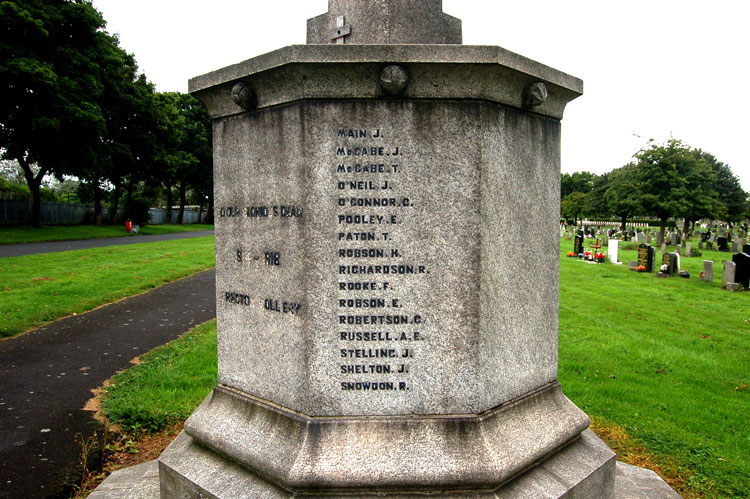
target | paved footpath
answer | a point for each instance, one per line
(55, 246)
(46, 377)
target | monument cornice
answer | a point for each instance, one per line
(300, 72)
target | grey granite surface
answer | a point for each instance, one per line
(386, 22)
(630, 483)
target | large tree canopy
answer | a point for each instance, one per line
(50, 80)
(672, 181)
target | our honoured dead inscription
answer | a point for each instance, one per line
(376, 323)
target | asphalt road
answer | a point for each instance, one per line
(46, 376)
(52, 247)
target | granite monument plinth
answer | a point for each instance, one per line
(378, 332)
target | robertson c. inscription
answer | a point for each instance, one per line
(368, 164)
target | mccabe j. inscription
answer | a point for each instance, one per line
(368, 160)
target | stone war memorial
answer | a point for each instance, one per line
(377, 332)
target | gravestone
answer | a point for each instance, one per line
(735, 246)
(722, 244)
(649, 238)
(578, 243)
(668, 264)
(375, 336)
(727, 276)
(700, 244)
(677, 239)
(708, 271)
(746, 248)
(689, 250)
(612, 251)
(742, 269)
(646, 256)
(678, 249)
(663, 247)
(640, 237)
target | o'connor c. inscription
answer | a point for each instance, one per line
(369, 229)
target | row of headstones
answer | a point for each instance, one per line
(722, 242)
(736, 272)
(708, 237)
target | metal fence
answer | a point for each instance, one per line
(15, 211)
(18, 210)
(159, 216)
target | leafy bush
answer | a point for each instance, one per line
(137, 211)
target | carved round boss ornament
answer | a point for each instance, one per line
(243, 95)
(535, 94)
(394, 80)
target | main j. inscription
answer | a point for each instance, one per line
(365, 161)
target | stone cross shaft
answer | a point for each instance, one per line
(377, 22)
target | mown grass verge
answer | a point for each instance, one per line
(661, 365)
(37, 289)
(666, 360)
(167, 384)
(15, 234)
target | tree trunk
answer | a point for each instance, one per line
(183, 191)
(128, 191)
(209, 211)
(624, 219)
(200, 210)
(662, 229)
(115, 205)
(168, 192)
(34, 183)
(97, 202)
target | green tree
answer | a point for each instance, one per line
(576, 182)
(575, 206)
(597, 201)
(184, 155)
(671, 181)
(731, 197)
(49, 114)
(622, 194)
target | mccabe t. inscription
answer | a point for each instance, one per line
(375, 323)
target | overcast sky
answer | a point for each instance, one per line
(651, 68)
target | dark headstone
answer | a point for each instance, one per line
(670, 260)
(742, 269)
(722, 243)
(646, 254)
(578, 243)
(746, 249)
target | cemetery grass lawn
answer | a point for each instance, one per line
(37, 289)
(167, 384)
(15, 234)
(666, 360)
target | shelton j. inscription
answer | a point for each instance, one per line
(372, 176)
